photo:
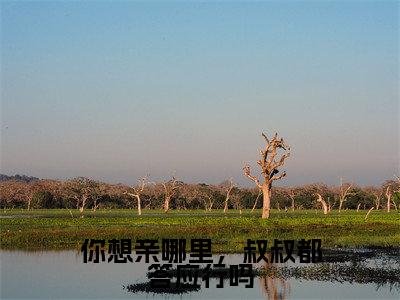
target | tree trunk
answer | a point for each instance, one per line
(366, 216)
(266, 202)
(83, 203)
(388, 196)
(81, 210)
(95, 205)
(255, 202)
(324, 205)
(340, 205)
(394, 204)
(139, 206)
(226, 205)
(378, 203)
(166, 204)
(358, 206)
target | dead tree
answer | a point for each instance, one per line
(208, 202)
(331, 206)
(388, 194)
(273, 287)
(170, 188)
(343, 193)
(237, 202)
(82, 190)
(392, 192)
(292, 195)
(369, 211)
(324, 205)
(378, 195)
(396, 193)
(269, 169)
(228, 194)
(255, 202)
(137, 193)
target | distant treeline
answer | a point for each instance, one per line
(22, 178)
(83, 193)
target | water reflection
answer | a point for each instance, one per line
(350, 274)
(380, 267)
(273, 287)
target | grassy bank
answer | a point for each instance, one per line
(58, 229)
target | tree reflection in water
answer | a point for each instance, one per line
(272, 286)
(364, 266)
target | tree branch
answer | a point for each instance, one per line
(246, 172)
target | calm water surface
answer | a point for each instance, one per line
(62, 275)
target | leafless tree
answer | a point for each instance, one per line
(377, 195)
(255, 202)
(324, 205)
(81, 189)
(237, 202)
(292, 195)
(344, 191)
(170, 188)
(331, 206)
(272, 287)
(138, 191)
(228, 190)
(392, 190)
(208, 202)
(269, 169)
(388, 194)
(369, 211)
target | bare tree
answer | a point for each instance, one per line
(272, 287)
(292, 195)
(331, 206)
(203, 193)
(397, 192)
(82, 190)
(344, 191)
(369, 211)
(237, 202)
(269, 169)
(392, 190)
(324, 205)
(388, 194)
(138, 191)
(208, 202)
(377, 193)
(170, 188)
(228, 194)
(255, 202)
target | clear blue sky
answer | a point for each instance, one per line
(117, 90)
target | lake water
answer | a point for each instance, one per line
(63, 275)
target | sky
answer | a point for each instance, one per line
(118, 90)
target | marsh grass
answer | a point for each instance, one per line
(57, 229)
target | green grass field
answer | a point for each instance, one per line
(58, 229)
